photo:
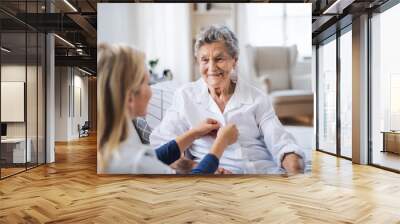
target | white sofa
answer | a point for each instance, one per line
(284, 77)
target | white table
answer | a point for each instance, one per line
(17, 145)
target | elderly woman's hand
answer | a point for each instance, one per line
(184, 166)
(292, 163)
(229, 133)
(226, 135)
(209, 126)
(222, 171)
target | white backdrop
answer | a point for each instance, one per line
(160, 30)
(12, 101)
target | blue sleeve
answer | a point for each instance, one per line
(169, 152)
(208, 164)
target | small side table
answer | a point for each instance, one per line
(391, 141)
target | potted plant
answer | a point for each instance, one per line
(153, 64)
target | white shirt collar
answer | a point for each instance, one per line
(240, 96)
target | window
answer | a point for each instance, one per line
(394, 101)
(346, 94)
(327, 97)
(385, 88)
(280, 25)
(22, 65)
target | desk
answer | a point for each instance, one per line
(391, 141)
(13, 150)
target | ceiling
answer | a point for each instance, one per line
(76, 22)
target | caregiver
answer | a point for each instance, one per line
(123, 94)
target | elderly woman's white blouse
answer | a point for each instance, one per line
(262, 140)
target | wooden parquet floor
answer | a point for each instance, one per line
(70, 191)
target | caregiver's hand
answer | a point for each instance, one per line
(292, 163)
(187, 138)
(209, 126)
(226, 135)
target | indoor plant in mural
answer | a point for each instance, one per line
(154, 77)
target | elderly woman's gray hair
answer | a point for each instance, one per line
(216, 33)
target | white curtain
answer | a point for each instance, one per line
(160, 30)
(245, 70)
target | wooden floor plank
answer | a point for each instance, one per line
(70, 191)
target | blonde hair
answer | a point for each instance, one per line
(121, 71)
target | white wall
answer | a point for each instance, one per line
(80, 84)
(160, 30)
(61, 103)
(33, 126)
(68, 83)
(12, 73)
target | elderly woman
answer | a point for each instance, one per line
(263, 145)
